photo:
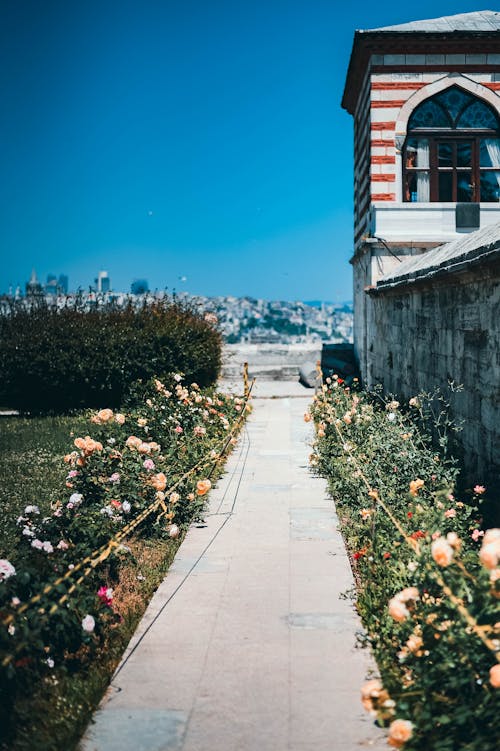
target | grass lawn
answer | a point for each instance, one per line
(32, 472)
(31, 467)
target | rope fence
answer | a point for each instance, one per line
(479, 631)
(90, 562)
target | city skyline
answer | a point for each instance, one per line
(202, 147)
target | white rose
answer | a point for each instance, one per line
(88, 624)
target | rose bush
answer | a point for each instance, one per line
(130, 473)
(427, 572)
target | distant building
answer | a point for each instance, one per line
(51, 285)
(139, 287)
(33, 287)
(103, 282)
(55, 286)
(63, 284)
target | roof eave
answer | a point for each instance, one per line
(461, 264)
(367, 43)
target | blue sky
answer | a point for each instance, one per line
(184, 138)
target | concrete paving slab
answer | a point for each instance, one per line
(248, 644)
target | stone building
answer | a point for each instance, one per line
(425, 97)
(436, 319)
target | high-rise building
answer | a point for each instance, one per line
(51, 285)
(103, 282)
(63, 284)
(33, 287)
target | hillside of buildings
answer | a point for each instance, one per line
(241, 319)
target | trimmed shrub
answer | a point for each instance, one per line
(56, 360)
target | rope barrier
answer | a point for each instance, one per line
(102, 553)
(478, 630)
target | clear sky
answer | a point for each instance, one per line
(172, 139)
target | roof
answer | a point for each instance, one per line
(480, 20)
(482, 246)
(470, 33)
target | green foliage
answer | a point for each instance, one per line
(55, 360)
(120, 466)
(428, 574)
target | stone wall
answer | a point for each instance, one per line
(269, 361)
(428, 333)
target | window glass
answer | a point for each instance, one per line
(445, 186)
(417, 186)
(464, 154)
(490, 186)
(478, 115)
(417, 153)
(454, 100)
(429, 115)
(489, 152)
(464, 186)
(445, 154)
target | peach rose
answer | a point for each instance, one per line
(415, 486)
(414, 643)
(173, 531)
(159, 481)
(307, 417)
(490, 535)
(442, 552)
(144, 448)
(489, 554)
(495, 676)
(105, 415)
(119, 418)
(369, 691)
(409, 593)
(400, 731)
(133, 442)
(398, 610)
(203, 486)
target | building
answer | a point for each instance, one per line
(63, 284)
(435, 321)
(139, 287)
(103, 282)
(33, 287)
(425, 98)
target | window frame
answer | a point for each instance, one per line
(452, 135)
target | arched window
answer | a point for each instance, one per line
(452, 151)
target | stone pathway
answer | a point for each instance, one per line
(246, 645)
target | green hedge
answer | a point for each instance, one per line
(58, 360)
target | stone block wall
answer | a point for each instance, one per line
(428, 333)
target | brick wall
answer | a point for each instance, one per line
(389, 82)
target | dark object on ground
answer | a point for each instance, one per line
(338, 359)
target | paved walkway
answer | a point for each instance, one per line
(246, 645)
